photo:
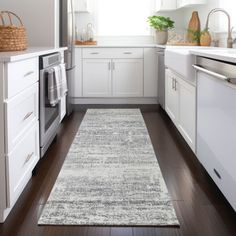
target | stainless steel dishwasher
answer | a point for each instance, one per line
(216, 123)
(161, 76)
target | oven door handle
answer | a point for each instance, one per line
(212, 73)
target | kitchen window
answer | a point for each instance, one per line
(123, 17)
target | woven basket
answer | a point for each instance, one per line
(12, 37)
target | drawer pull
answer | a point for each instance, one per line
(28, 115)
(128, 53)
(28, 158)
(29, 73)
(94, 53)
(217, 174)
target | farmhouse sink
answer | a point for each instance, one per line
(180, 60)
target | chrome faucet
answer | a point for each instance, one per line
(229, 39)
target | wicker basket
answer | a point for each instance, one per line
(12, 37)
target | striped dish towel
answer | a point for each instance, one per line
(57, 84)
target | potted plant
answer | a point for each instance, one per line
(162, 25)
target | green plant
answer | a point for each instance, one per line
(197, 34)
(160, 23)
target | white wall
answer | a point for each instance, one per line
(40, 19)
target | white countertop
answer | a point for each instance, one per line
(223, 54)
(29, 53)
(152, 45)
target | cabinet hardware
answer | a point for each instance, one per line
(94, 53)
(28, 158)
(29, 73)
(217, 174)
(28, 115)
(113, 66)
(173, 83)
(127, 53)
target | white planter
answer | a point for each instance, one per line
(161, 37)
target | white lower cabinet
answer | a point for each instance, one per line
(122, 74)
(19, 139)
(127, 77)
(171, 97)
(20, 163)
(96, 78)
(181, 106)
(112, 77)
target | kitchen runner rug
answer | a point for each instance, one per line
(110, 176)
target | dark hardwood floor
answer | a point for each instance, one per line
(201, 208)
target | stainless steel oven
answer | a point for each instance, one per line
(49, 115)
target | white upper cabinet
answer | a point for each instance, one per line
(166, 5)
(81, 6)
(189, 3)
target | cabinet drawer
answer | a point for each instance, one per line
(20, 75)
(21, 162)
(113, 53)
(21, 111)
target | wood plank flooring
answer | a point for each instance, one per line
(201, 208)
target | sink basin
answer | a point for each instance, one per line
(181, 61)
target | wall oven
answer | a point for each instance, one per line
(49, 115)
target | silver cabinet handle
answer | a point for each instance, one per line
(94, 53)
(212, 73)
(128, 53)
(28, 73)
(173, 83)
(109, 65)
(28, 115)
(28, 158)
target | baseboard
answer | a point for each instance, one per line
(116, 101)
(142, 107)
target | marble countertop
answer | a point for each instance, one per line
(29, 53)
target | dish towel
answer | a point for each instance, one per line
(57, 84)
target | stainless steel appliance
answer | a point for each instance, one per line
(161, 76)
(67, 39)
(216, 123)
(49, 115)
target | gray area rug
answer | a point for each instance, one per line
(111, 176)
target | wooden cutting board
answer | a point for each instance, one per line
(86, 43)
(193, 26)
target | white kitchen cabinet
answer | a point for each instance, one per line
(181, 106)
(187, 111)
(81, 6)
(166, 5)
(19, 139)
(150, 63)
(127, 77)
(62, 108)
(97, 77)
(171, 100)
(190, 3)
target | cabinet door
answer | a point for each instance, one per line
(150, 72)
(171, 97)
(127, 77)
(96, 78)
(187, 111)
(188, 3)
(166, 5)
